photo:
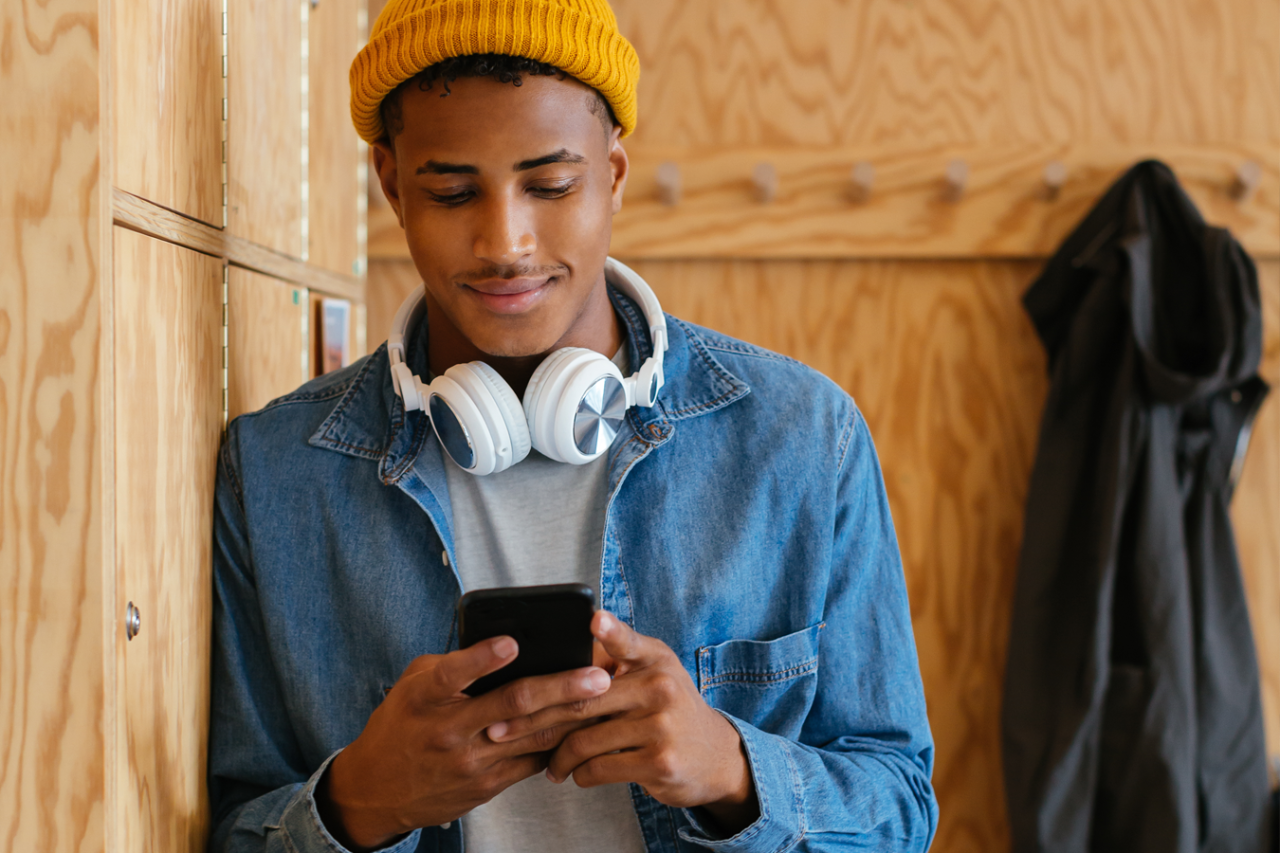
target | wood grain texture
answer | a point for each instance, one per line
(950, 377)
(1255, 512)
(140, 215)
(1003, 213)
(390, 283)
(264, 123)
(51, 390)
(954, 72)
(267, 351)
(335, 152)
(169, 417)
(166, 110)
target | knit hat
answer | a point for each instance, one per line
(580, 37)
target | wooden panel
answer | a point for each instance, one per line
(166, 110)
(335, 152)
(264, 122)
(954, 72)
(267, 326)
(1256, 513)
(951, 377)
(168, 368)
(138, 214)
(390, 283)
(1003, 213)
(51, 429)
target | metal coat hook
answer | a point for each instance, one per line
(1248, 176)
(957, 177)
(669, 183)
(861, 181)
(1054, 176)
(765, 181)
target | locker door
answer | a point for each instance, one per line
(168, 419)
(264, 122)
(267, 352)
(166, 111)
(335, 153)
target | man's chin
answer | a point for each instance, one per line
(506, 348)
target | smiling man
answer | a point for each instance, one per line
(755, 684)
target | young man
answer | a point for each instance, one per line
(756, 685)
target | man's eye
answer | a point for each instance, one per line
(556, 191)
(451, 198)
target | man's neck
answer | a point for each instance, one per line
(598, 327)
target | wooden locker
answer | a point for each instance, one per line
(166, 89)
(335, 152)
(168, 385)
(267, 322)
(264, 122)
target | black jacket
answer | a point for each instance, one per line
(1132, 712)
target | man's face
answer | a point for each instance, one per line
(506, 195)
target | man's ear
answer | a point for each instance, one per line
(619, 165)
(384, 162)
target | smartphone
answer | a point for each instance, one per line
(551, 624)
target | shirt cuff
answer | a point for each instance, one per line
(306, 832)
(780, 825)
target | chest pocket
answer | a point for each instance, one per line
(768, 683)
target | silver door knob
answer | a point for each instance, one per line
(132, 621)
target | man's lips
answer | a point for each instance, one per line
(508, 286)
(509, 295)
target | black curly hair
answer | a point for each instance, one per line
(504, 69)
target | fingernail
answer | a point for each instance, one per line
(504, 647)
(551, 778)
(497, 730)
(596, 681)
(606, 623)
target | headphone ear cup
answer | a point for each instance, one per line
(551, 404)
(541, 395)
(491, 430)
(509, 406)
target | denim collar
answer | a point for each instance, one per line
(370, 421)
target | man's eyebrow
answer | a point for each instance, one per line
(562, 156)
(435, 167)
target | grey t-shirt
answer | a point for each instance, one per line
(539, 522)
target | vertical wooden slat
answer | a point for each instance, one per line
(264, 123)
(267, 352)
(334, 149)
(167, 103)
(168, 424)
(51, 391)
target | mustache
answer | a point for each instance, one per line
(509, 272)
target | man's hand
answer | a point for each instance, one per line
(657, 732)
(424, 758)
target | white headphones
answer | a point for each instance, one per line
(573, 406)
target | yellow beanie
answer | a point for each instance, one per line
(580, 37)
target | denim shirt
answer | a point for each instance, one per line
(747, 528)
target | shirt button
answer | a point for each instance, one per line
(444, 557)
(446, 824)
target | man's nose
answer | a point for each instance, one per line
(505, 236)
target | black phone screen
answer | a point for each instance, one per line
(551, 624)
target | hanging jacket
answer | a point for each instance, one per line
(1132, 715)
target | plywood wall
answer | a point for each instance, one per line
(938, 352)
(51, 429)
(168, 367)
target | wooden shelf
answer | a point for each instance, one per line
(144, 216)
